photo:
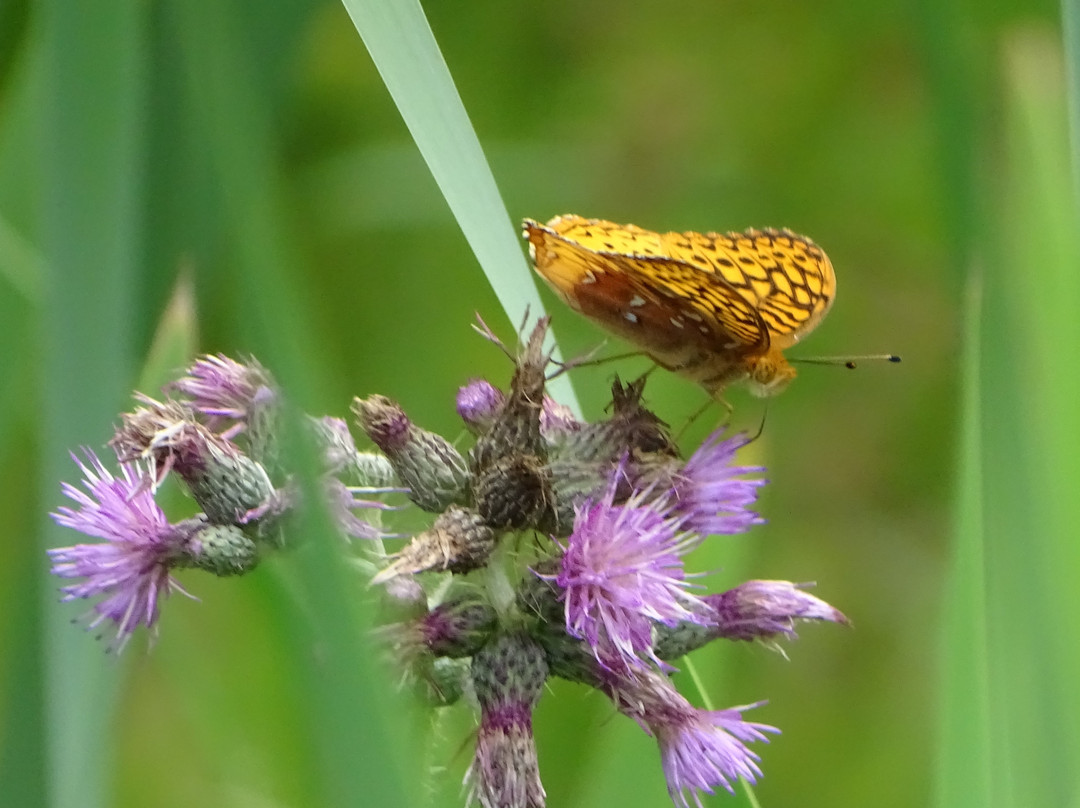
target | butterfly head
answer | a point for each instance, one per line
(769, 374)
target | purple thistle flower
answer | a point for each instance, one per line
(224, 389)
(343, 500)
(338, 447)
(622, 568)
(132, 567)
(706, 749)
(699, 749)
(763, 609)
(709, 491)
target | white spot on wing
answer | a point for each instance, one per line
(637, 301)
(631, 316)
(588, 277)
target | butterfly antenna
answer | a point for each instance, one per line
(850, 362)
(641, 379)
(586, 359)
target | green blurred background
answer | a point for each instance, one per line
(252, 152)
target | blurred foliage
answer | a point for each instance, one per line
(254, 149)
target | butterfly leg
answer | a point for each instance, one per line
(728, 410)
(588, 360)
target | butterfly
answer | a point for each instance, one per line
(717, 308)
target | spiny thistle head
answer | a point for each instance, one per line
(508, 676)
(458, 541)
(226, 483)
(426, 463)
(553, 547)
(515, 429)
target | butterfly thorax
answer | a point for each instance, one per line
(764, 375)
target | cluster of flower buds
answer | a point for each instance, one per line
(556, 548)
(218, 432)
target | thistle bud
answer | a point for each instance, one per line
(457, 628)
(508, 676)
(513, 493)
(335, 441)
(223, 550)
(478, 403)
(631, 427)
(458, 541)
(427, 463)
(516, 428)
(557, 421)
(226, 483)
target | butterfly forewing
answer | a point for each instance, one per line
(598, 235)
(705, 307)
(656, 303)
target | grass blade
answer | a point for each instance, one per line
(400, 41)
(1030, 432)
(353, 730)
(963, 765)
(91, 231)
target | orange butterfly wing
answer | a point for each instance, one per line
(685, 319)
(713, 307)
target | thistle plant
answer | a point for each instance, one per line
(556, 547)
